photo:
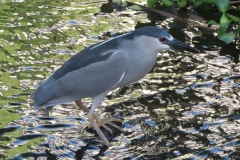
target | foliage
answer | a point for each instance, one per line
(223, 6)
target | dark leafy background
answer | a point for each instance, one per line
(186, 108)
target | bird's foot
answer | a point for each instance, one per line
(109, 121)
(100, 133)
(91, 118)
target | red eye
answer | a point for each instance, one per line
(162, 39)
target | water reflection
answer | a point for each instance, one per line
(186, 108)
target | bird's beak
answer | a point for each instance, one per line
(176, 44)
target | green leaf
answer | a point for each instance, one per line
(167, 3)
(224, 19)
(238, 30)
(222, 5)
(225, 25)
(213, 22)
(151, 3)
(233, 18)
(135, 8)
(227, 38)
(209, 1)
(197, 4)
(182, 3)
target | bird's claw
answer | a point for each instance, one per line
(109, 121)
(98, 130)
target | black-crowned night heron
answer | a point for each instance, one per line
(102, 67)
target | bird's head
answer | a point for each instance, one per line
(161, 39)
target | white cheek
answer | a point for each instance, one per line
(163, 47)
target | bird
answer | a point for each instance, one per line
(102, 67)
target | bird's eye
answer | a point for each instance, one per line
(162, 39)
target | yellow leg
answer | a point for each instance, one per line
(101, 122)
(109, 121)
(96, 101)
(100, 133)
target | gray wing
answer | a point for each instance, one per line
(87, 81)
(86, 57)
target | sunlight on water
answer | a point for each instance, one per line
(187, 107)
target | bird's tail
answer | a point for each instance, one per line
(43, 94)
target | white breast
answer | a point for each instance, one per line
(140, 58)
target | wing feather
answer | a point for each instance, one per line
(87, 81)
